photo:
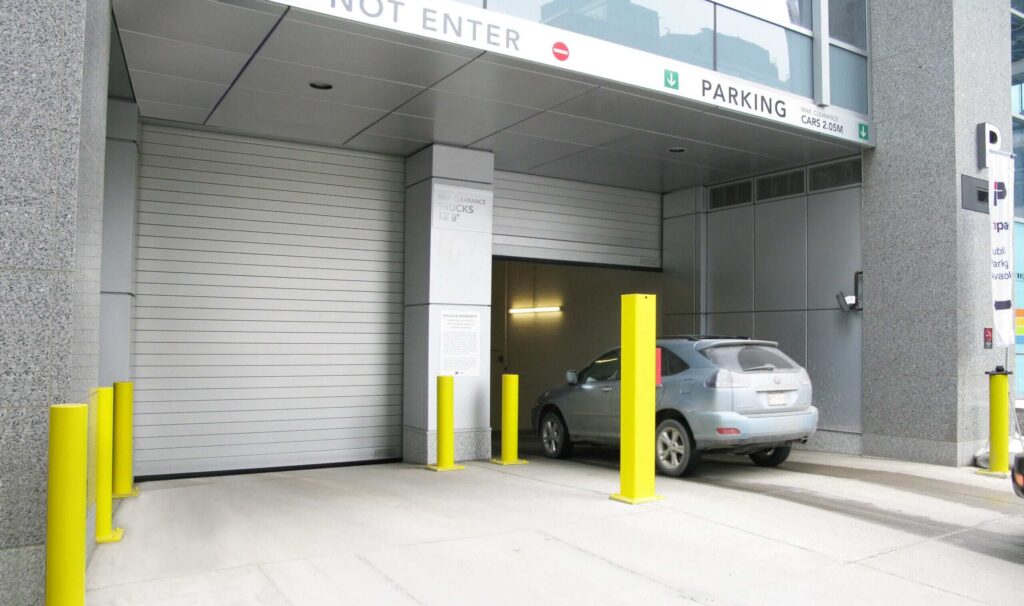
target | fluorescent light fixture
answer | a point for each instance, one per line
(534, 310)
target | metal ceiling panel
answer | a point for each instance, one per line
(656, 146)
(168, 111)
(206, 22)
(386, 145)
(576, 171)
(424, 129)
(175, 58)
(520, 153)
(511, 85)
(289, 117)
(459, 108)
(635, 111)
(179, 91)
(553, 125)
(284, 78)
(342, 51)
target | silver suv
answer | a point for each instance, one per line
(721, 394)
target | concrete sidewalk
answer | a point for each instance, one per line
(822, 529)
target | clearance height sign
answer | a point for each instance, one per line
(502, 34)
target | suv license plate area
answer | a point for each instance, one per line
(778, 398)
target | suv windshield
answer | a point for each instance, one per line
(749, 358)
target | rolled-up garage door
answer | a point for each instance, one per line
(547, 219)
(268, 328)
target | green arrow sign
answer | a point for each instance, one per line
(862, 132)
(671, 79)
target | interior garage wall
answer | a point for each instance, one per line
(269, 282)
(559, 220)
(773, 270)
(541, 347)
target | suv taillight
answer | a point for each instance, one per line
(1018, 475)
(726, 379)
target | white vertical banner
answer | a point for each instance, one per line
(1000, 208)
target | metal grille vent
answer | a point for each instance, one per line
(780, 186)
(838, 174)
(730, 195)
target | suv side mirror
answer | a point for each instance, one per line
(572, 377)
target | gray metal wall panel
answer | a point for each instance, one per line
(788, 328)
(559, 220)
(731, 324)
(269, 281)
(681, 265)
(780, 255)
(833, 245)
(834, 362)
(731, 260)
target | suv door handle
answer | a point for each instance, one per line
(606, 389)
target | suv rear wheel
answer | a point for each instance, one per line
(674, 449)
(771, 457)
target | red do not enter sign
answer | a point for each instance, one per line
(560, 50)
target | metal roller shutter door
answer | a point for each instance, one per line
(559, 220)
(268, 328)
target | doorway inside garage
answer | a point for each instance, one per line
(541, 346)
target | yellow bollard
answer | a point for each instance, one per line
(998, 422)
(636, 467)
(124, 408)
(65, 505)
(509, 422)
(445, 426)
(105, 467)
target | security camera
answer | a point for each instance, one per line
(847, 302)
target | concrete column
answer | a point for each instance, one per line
(117, 280)
(53, 69)
(938, 69)
(449, 205)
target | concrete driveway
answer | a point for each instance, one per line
(822, 529)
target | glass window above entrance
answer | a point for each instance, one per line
(783, 12)
(769, 42)
(679, 29)
(847, 22)
(763, 52)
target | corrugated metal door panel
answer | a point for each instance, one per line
(558, 220)
(268, 328)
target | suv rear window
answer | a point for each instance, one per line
(749, 358)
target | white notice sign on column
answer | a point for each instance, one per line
(460, 343)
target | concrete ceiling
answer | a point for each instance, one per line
(246, 65)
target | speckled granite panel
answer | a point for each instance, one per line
(23, 571)
(420, 447)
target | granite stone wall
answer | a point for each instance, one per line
(53, 83)
(936, 66)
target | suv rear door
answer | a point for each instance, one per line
(775, 384)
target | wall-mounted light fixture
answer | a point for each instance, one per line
(534, 310)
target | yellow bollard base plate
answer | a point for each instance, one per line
(113, 537)
(128, 495)
(452, 468)
(629, 501)
(993, 474)
(516, 462)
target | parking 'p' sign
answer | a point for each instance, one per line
(561, 51)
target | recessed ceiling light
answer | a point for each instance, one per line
(321, 85)
(677, 150)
